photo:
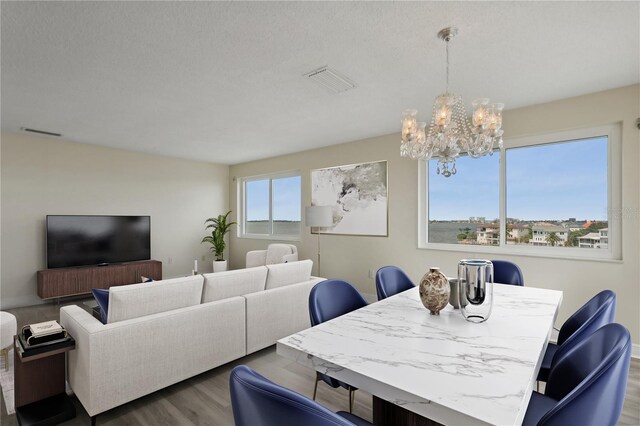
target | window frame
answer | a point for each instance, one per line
(242, 208)
(613, 253)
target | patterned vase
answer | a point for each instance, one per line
(434, 291)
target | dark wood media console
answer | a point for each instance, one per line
(61, 282)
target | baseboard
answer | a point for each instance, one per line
(635, 351)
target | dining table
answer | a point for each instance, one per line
(436, 369)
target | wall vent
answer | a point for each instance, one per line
(41, 132)
(330, 79)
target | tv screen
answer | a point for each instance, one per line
(95, 240)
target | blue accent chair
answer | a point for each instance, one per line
(587, 383)
(505, 272)
(330, 299)
(598, 311)
(257, 401)
(391, 280)
(102, 297)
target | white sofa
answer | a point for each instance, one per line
(163, 332)
(275, 253)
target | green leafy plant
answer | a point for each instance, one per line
(219, 228)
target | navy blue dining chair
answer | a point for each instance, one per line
(587, 384)
(330, 299)
(505, 272)
(257, 401)
(391, 280)
(598, 311)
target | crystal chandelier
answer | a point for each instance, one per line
(451, 132)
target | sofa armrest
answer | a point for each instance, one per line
(256, 258)
(81, 325)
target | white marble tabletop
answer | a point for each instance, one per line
(440, 367)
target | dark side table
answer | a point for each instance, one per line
(39, 384)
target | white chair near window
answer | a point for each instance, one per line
(275, 253)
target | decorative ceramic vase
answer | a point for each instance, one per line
(475, 280)
(434, 291)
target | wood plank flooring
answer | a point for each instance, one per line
(204, 399)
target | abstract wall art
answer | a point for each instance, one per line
(358, 196)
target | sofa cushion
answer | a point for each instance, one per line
(222, 285)
(284, 274)
(138, 300)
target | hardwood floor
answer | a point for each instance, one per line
(204, 399)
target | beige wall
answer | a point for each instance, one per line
(352, 257)
(41, 176)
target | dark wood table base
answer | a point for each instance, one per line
(388, 414)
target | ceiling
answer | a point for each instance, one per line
(223, 81)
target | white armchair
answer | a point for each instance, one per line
(275, 253)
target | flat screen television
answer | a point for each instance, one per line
(97, 240)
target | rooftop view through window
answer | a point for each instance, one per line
(556, 196)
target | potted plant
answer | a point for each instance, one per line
(219, 228)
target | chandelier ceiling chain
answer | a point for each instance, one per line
(447, 50)
(451, 132)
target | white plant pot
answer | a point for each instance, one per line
(219, 265)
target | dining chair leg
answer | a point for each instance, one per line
(315, 388)
(537, 386)
(352, 397)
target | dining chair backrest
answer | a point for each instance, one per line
(505, 272)
(589, 380)
(598, 311)
(331, 298)
(256, 400)
(391, 280)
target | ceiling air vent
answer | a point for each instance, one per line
(41, 132)
(330, 79)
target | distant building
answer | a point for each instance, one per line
(541, 234)
(488, 234)
(598, 239)
(516, 232)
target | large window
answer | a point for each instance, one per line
(550, 195)
(465, 208)
(270, 206)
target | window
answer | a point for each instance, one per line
(467, 212)
(549, 195)
(270, 206)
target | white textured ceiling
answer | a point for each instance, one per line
(222, 82)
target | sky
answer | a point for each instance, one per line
(551, 181)
(286, 199)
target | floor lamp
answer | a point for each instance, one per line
(318, 217)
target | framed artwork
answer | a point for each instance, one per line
(358, 196)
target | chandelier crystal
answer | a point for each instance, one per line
(451, 132)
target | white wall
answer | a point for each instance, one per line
(42, 175)
(351, 257)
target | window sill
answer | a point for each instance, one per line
(270, 237)
(519, 251)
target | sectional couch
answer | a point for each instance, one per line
(163, 332)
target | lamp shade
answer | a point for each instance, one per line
(320, 216)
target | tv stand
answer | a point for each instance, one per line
(62, 282)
